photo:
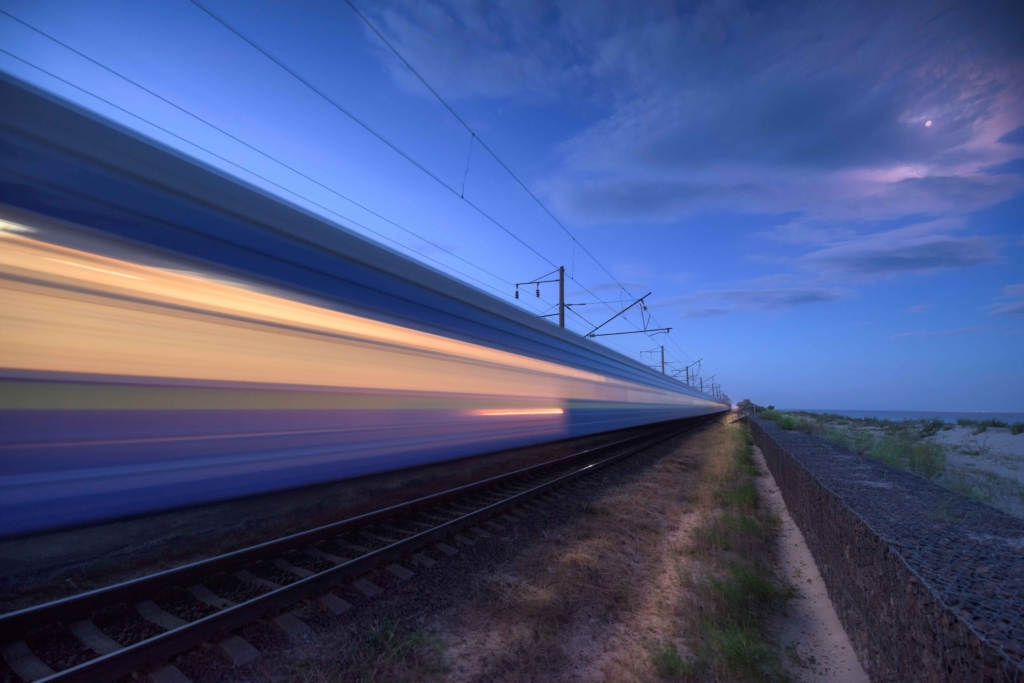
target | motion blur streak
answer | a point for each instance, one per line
(170, 335)
(536, 411)
(133, 382)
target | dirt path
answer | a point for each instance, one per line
(810, 630)
(611, 596)
(649, 571)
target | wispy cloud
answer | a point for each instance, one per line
(920, 308)
(940, 333)
(1014, 291)
(922, 248)
(1012, 308)
(723, 301)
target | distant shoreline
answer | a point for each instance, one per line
(896, 415)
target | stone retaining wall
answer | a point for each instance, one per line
(928, 583)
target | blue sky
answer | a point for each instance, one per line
(767, 170)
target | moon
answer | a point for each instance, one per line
(928, 124)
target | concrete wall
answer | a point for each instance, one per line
(928, 583)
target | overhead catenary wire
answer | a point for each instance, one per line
(408, 157)
(248, 146)
(365, 125)
(242, 168)
(481, 141)
(474, 138)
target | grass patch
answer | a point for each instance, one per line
(1016, 427)
(669, 664)
(923, 457)
(736, 591)
(392, 652)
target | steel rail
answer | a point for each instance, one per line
(170, 643)
(14, 624)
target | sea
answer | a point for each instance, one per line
(897, 415)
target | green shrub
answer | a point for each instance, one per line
(863, 441)
(1017, 427)
(787, 422)
(924, 458)
(927, 459)
(840, 436)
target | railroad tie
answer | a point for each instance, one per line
(167, 674)
(377, 537)
(320, 554)
(24, 662)
(480, 532)
(367, 588)
(90, 635)
(152, 613)
(208, 597)
(437, 519)
(423, 560)
(334, 603)
(401, 572)
(290, 625)
(463, 540)
(446, 549)
(246, 576)
(237, 651)
(351, 546)
(287, 566)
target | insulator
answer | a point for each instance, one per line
(517, 293)
(538, 292)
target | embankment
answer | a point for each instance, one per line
(928, 583)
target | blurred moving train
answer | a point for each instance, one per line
(172, 336)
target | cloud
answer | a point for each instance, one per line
(921, 308)
(1012, 308)
(922, 248)
(1015, 290)
(721, 302)
(940, 333)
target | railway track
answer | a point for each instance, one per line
(263, 581)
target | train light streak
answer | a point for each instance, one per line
(525, 411)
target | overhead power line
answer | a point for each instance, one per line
(473, 139)
(365, 125)
(408, 157)
(251, 147)
(482, 143)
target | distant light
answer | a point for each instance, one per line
(928, 124)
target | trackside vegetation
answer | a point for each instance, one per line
(733, 589)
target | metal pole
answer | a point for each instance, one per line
(702, 384)
(663, 360)
(561, 296)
